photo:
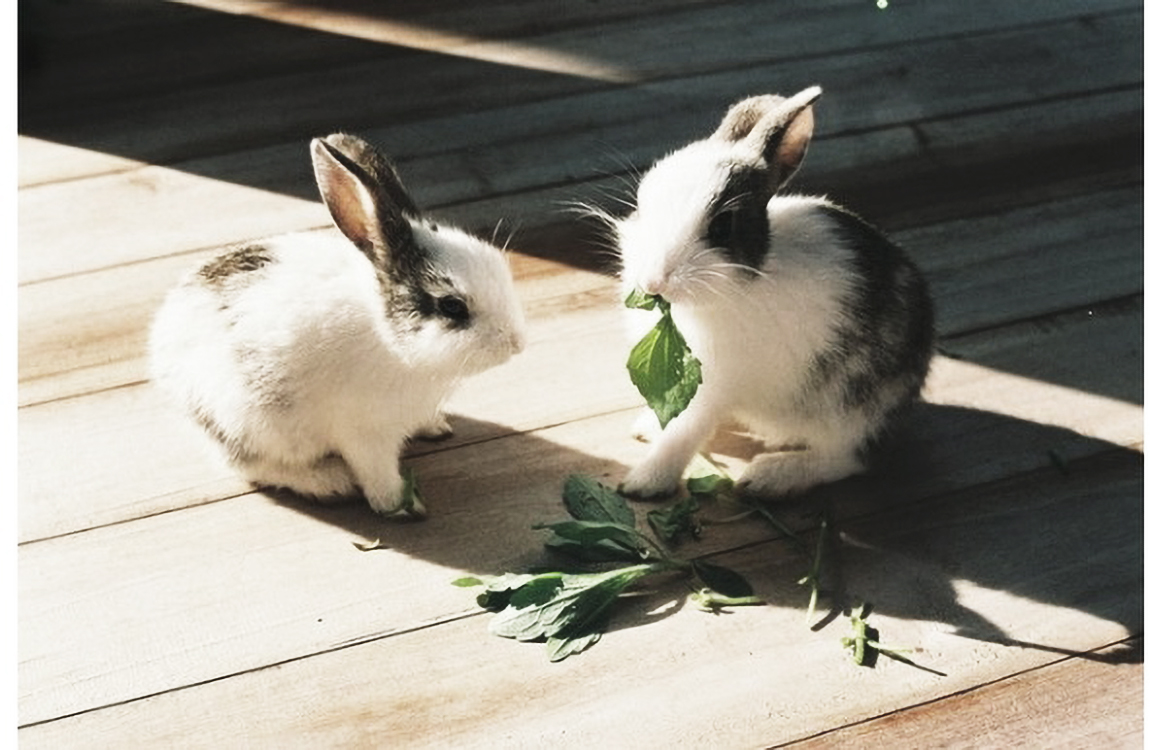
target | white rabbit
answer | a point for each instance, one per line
(812, 329)
(312, 359)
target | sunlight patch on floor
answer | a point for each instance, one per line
(515, 53)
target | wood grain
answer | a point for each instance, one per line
(163, 603)
(1044, 707)
(748, 678)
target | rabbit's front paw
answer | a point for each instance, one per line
(437, 429)
(399, 509)
(650, 481)
(396, 501)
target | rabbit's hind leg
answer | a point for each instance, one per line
(327, 479)
(790, 472)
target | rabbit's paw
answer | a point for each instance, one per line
(396, 500)
(778, 475)
(650, 481)
(437, 429)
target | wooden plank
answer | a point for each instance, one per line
(1087, 701)
(981, 270)
(979, 609)
(930, 71)
(1033, 261)
(988, 425)
(153, 435)
(564, 330)
(91, 54)
(170, 206)
(160, 600)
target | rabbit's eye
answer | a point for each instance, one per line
(453, 308)
(721, 231)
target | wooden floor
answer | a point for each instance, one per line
(163, 603)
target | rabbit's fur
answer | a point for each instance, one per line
(812, 329)
(311, 360)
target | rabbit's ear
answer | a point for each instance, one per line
(779, 129)
(363, 193)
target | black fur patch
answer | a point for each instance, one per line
(409, 302)
(885, 342)
(738, 222)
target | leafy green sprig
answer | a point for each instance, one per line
(863, 643)
(662, 365)
(569, 610)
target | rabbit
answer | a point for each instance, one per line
(812, 330)
(312, 359)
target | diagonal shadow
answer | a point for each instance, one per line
(941, 512)
(236, 97)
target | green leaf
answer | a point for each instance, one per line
(711, 485)
(723, 580)
(589, 500)
(712, 600)
(640, 300)
(598, 540)
(559, 648)
(671, 523)
(861, 636)
(467, 582)
(563, 605)
(811, 579)
(411, 507)
(599, 552)
(664, 370)
(497, 592)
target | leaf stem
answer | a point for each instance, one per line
(812, 578)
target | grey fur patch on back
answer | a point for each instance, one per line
(881, 351)
(227, 267)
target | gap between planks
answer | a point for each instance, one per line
(729, 655)
(1040, 706)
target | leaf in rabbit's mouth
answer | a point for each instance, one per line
(661, 365)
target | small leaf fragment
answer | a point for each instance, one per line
(640, 300)
(589, 500)
(811, 579)
(669, 524)
(368, 546)
(705, 478)
(711, 485)
(596, 541)
(411, 507)
(497, 591)
(559, 648)
(722, 580)
(861, 635)
(711, 600)
(467, 582)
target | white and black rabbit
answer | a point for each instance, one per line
(311, 360)
(813, 330)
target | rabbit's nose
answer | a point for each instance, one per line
(653, 286)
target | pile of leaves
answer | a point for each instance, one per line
(569, 610)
